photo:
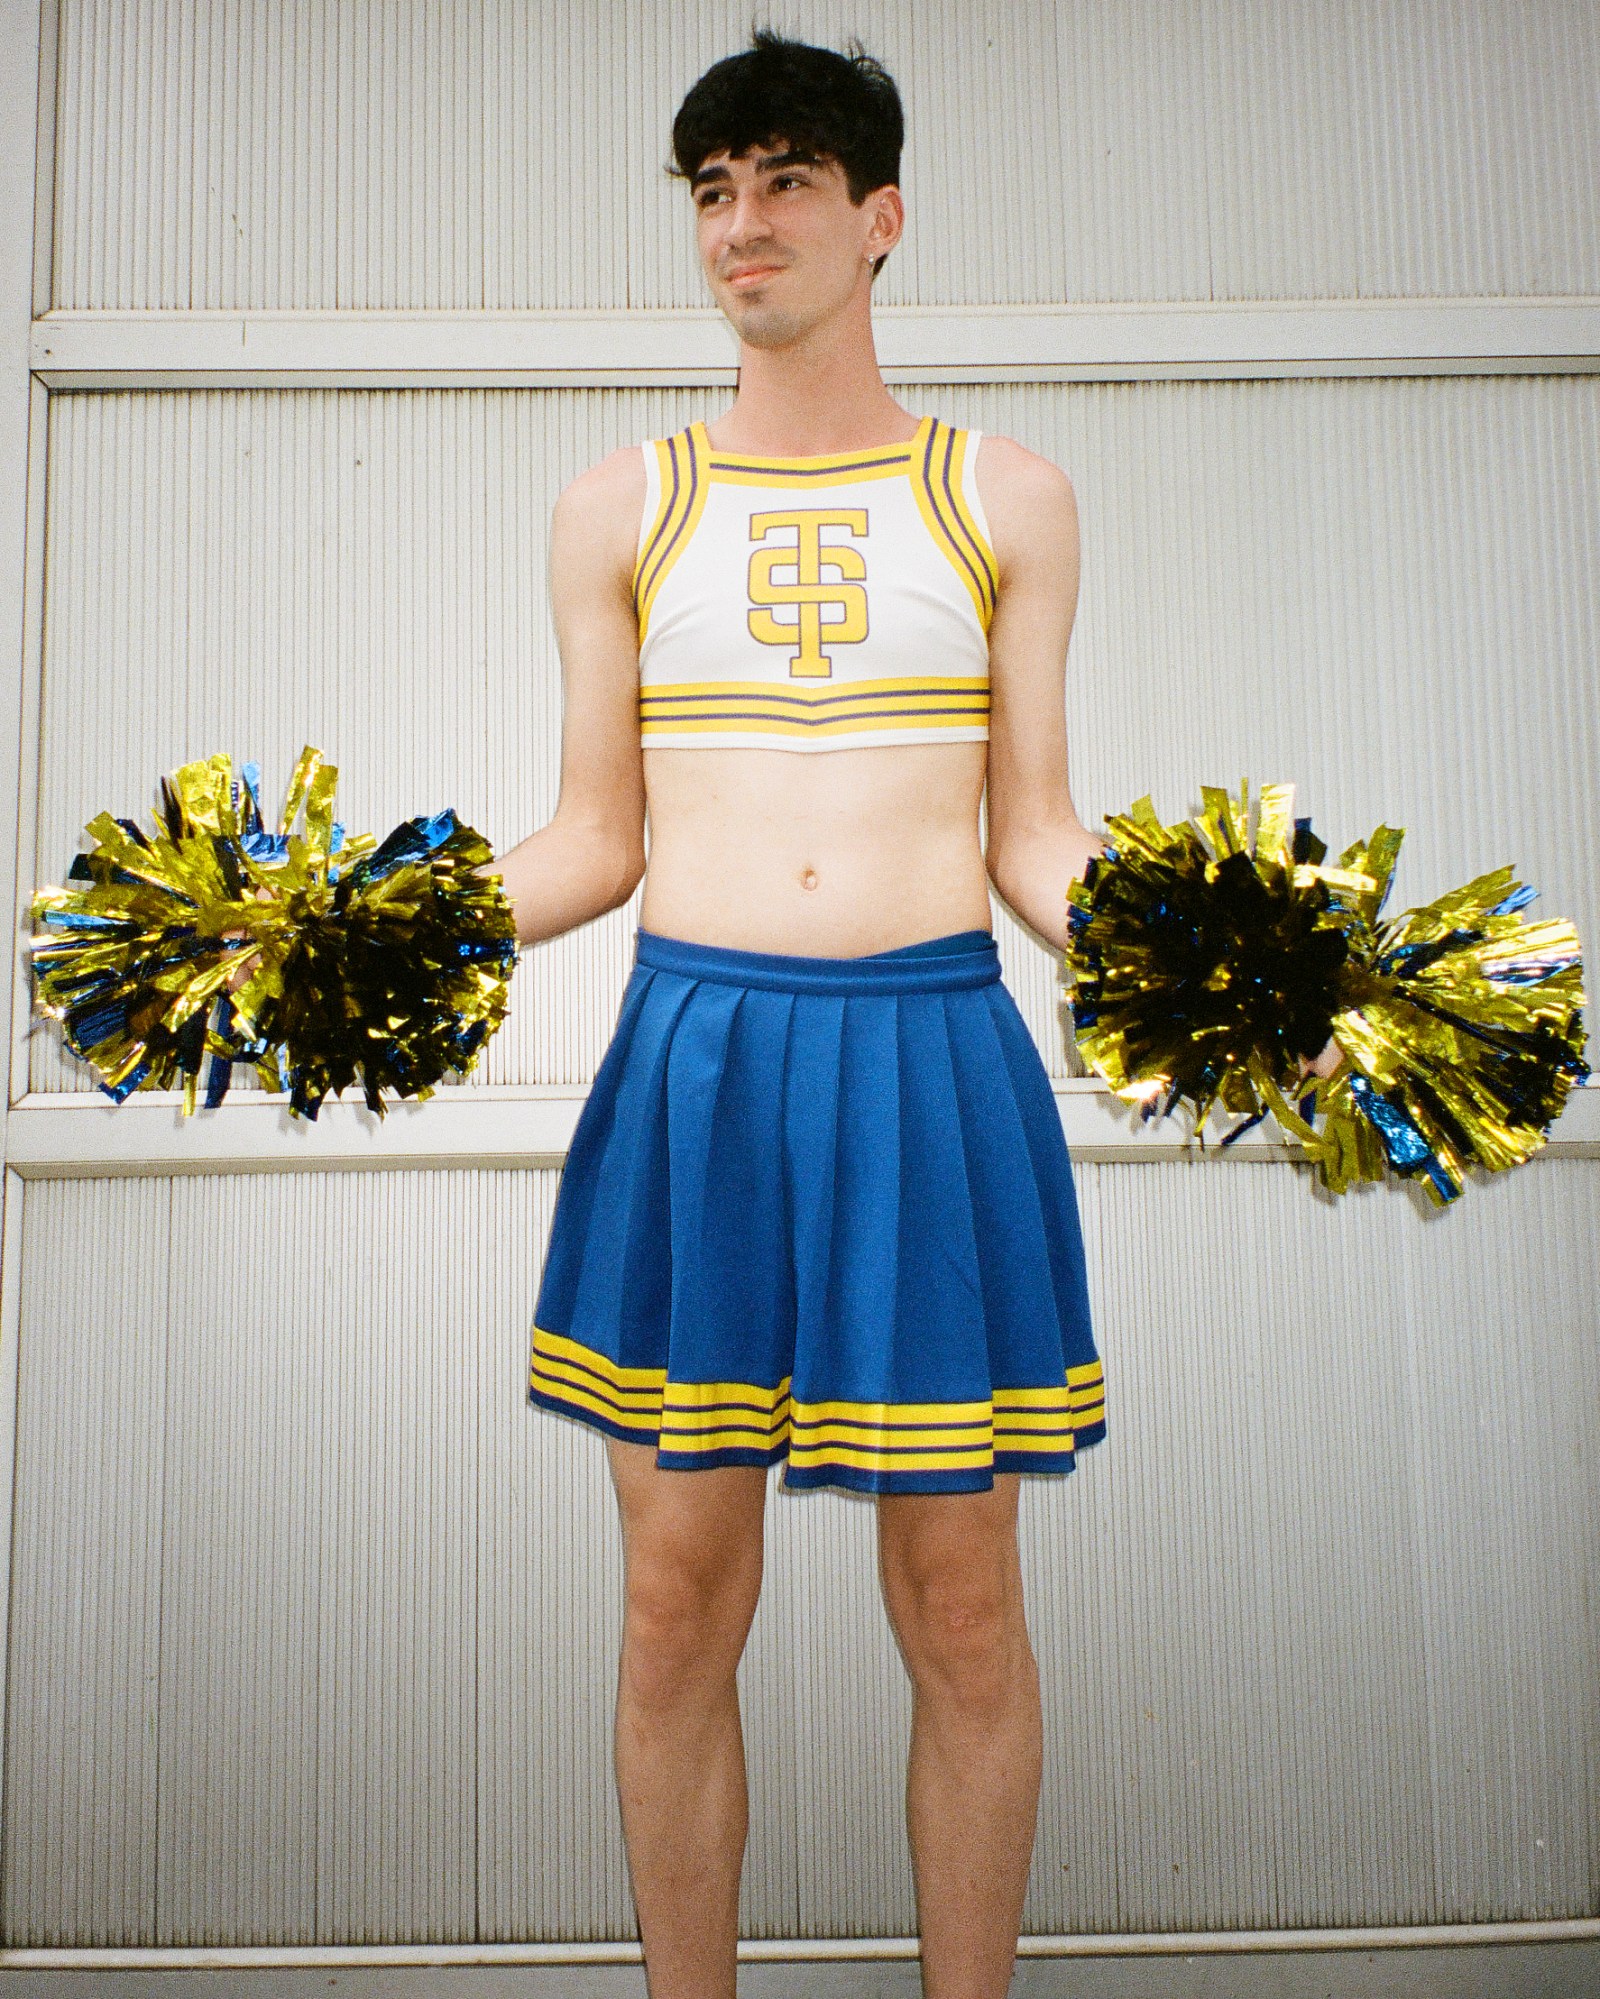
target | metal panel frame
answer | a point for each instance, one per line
(28, 31)
(694, 346)
(51, 1137)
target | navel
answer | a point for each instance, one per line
(808, 878)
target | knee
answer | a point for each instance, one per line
(684, 1628)
(967, 1641)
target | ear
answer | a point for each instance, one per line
(888, 223)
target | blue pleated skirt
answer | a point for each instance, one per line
(820, 1210)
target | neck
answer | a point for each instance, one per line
(821, 393)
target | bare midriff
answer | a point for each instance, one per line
(827, 853)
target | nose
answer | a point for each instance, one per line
(746, 221)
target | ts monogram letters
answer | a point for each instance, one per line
(809, 592)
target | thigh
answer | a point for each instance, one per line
(698, 1533)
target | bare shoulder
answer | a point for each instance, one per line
(1028, 501)
(598, 514)
(616, 477)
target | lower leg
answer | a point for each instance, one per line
(692, 1558)
(972, 1805)
(685, 1814)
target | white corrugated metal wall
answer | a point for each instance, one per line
(311, 1621)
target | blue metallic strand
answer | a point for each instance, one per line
(84, 919)
(1407, 1149)
(93, 1028)
(1239, 1130)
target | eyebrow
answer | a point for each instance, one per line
(793, 158)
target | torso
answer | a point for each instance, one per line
(836, 853)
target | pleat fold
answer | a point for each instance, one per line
(605, 1290)
(729, 1347)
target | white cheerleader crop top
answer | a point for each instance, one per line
(813, 603)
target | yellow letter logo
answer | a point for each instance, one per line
(806, 555)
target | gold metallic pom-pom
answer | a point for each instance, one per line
(1211, 964)
(1461, 1029)
(383, 965)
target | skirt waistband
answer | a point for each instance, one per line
(962, 959)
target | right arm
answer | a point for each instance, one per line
(591, 855)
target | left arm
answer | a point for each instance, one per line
(1036, 842)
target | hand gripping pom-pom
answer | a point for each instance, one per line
(379, 965)
(1209, 965)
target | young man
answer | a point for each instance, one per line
(817, 1208)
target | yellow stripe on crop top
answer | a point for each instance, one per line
(814, 603)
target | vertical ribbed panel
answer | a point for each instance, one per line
(257, 1478)
(1315, 1622)
(315, 1623)
(89, 1503)
(1382, 591)
(315, 1619)
(1399, 148)
(320, 1551)
(1477, 132)
(550, 1859)
(298, 154)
